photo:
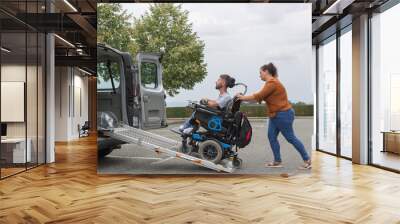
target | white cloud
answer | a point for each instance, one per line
(239, 38)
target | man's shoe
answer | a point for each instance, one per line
(187, 130)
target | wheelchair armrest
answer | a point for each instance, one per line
(208, 110)
(203, 110)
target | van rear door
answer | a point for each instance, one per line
(110, 84)
(152, 93)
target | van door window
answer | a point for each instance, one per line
(108, 75)
(149, 75)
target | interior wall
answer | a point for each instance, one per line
(80, 112)
(12, 73)
(61, 103)
(33, 125)
(314, 90)
(71, 102)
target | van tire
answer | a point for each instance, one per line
(106, 145)
(104, 152)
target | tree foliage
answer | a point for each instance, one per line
(113, 27)
(166, 26)
(115, 30)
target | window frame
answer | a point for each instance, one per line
(157, 81)
(121, 71)
(334, 37)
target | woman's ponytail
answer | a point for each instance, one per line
(270, 67)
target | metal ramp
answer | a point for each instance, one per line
(161, 145)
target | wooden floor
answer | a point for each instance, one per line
(5, 172)
(70, 191)
(387, 159)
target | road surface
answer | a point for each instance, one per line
(131, 159)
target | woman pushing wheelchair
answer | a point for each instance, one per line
(281, 115)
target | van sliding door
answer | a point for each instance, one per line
(152, 91)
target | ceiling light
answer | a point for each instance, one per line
(79, 51)
(338, 6)
(65, 41)
(70, 5)
(5, 50)
(84, 71)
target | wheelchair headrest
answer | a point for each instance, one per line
(232, 106)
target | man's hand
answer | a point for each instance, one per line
(204, 101)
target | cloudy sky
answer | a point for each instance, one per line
(239, 38)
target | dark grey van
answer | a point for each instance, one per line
(130, 89)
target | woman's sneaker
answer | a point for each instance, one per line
(274, 165)
(306, 165)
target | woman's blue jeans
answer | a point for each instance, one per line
(283, 123)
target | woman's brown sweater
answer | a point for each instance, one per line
(275, 96)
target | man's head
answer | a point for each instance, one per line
(224, 82)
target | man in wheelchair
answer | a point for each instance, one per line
(216, 128)
(222, 84)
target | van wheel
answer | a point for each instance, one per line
(211, 150)
(106, 145)
(104, 152)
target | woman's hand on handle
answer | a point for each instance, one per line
(239, 96)
(245, 98)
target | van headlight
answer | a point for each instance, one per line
(107, 120)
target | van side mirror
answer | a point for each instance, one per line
(135, 68)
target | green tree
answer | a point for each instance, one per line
(114, 28)
(300, 103)
(166, 27)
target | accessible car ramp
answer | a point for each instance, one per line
(161, 145)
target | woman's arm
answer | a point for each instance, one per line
(259, 96)
(246, 98)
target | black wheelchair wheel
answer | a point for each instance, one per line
(211, 150)
(237, 162)
(185, 148)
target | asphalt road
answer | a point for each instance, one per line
(131, 159)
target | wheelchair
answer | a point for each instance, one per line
(84, 129)
(215, 132)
